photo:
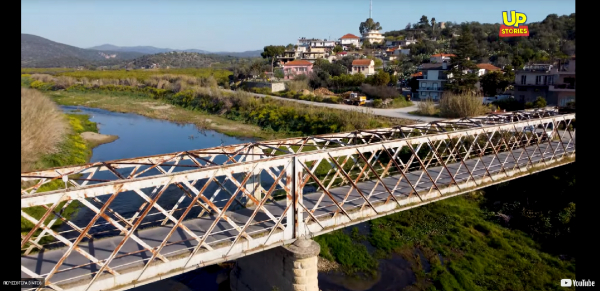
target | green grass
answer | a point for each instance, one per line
(140, 75)
(478, 254)
(348, 251)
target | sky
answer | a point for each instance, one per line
(243, 25)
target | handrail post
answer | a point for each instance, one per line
(296, 194)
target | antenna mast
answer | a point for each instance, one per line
(370, 9)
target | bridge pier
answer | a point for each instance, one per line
(286, 268)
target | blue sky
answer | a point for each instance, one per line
(240, 25)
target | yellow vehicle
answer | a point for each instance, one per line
(356, 99)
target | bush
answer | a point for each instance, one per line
(539, 102)
(377, 103)
(427, 108)
(43, 127)
(379, 92)
(297, 85)
(463, 105)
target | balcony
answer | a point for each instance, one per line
(562, 87)
(430, 89)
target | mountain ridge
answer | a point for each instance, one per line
(155, 50)
(37, 51)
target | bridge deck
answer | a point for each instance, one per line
(44, 261)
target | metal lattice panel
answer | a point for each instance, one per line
(139, 219)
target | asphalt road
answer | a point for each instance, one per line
(395, 112)
(43, 262)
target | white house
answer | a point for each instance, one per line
(363, 66)
(373, 36)
(350, 39)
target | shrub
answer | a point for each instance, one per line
(297, 85)
(463, 105)
(539, 102)
(377, 103)
(379, 92)
(43, 127)
(427, 108)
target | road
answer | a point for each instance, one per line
(395, 112)
(44, 261)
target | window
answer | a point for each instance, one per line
(521, 88)
(539, 80)
(523, 79)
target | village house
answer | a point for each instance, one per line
(363, 66)
(348, 40)
(314, 53)
(372, 36)
(296, 67)
(486, 68)
(556, 85)
(439, 58)
(434, 79)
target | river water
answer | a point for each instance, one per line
(142, 136)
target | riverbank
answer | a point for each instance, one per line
(159, 109)
(75, 149)
(501, 238)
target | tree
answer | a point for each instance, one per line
(433, 23)
(271, 52)
(337, 49)
(381, 78)
(279, 74)
(424, 21)
(289, 47)
(491, 82)
(369, 25)
(408, 26)
(319, 79)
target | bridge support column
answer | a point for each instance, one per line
(253, 184)
(289, 268)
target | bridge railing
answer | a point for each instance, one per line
(190, 209)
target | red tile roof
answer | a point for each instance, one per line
(444, 55)
(362, 62)
(419, 74)
(298, 63)
(349, 35)
(488, 67)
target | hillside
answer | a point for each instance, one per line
(40, 52)
(180, 60)
(155, 50)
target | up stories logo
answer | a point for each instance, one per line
(513, 27)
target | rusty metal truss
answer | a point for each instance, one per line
(119, 224)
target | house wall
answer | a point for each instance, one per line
(526, 94)
(370, 70)
(349, 41)
(275, 87)
(291, 71)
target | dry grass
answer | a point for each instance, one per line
(427, 108)
(297, 86)
(464, 105)
(43, 127)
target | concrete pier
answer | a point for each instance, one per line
(287, 268)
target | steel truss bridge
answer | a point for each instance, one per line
(144, 219)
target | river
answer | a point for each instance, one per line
(142, 136)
